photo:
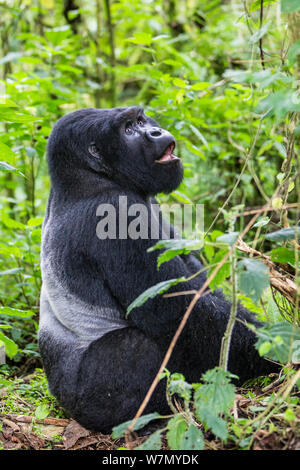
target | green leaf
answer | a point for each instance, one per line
(11, 347)
(261, 221)
(260, 33)
(10, 115)
(214, 398)
(228, 238)
(283, 255)
(224, 271)
(279, 342)
(11, 223)
(254, 280)
(216, 424)
(257, 3)
(57, 35)
(192, 439)
(174, 248)
(42, 411)
(11, 271)
(177, 426)
(153, 291)
(288, 6)
(264, 348)
(141, 38)
(178, 385)
(181, 197)
(217, 393)
(6, 167)
(118, 431)
(6, 153)
(152, 443)
(14, 312)
(35, 222)
(284, 234)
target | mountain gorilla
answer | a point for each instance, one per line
(99, 363)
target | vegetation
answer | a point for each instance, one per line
(223, 76)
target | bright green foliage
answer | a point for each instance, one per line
(254, 280)
(223, 77)
(153, 291)
(213, 399)
(118, 431)
(280, 342)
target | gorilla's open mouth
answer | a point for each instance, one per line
(168, 156)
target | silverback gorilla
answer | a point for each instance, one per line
(99, 363)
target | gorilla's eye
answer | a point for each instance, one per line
(140, 122)
(129, 128)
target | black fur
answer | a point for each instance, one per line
(100, 365)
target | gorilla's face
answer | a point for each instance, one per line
(121, 143)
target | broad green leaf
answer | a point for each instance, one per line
(214, 398)
(58, 35)
(181, 197)
(141, 38)
(260, 33)
(153, 291)
(177, 385)
(228, 238)
(279, 342)
(261, 221)
(175, 247)
(283, 255)
(224, 271)
(186, 246)
(216, 424)
(42, 411)
(284, 234)
(11, 271)
(35, 222)
(7, 154)
(11, 348)
(14, 312)
(257, 4)
(177, 426)
(152, 443)
(11, 223)
(10, 115)
(118, 431)
(254, 280)
(217, 393)
(192, 439)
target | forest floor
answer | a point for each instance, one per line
(30, 419)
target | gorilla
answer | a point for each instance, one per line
(99, 362)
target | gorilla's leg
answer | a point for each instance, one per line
(114, 376)
(198, 348)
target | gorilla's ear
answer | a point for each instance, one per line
(104, 168)
(94, 151)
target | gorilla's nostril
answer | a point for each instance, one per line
(155, 133)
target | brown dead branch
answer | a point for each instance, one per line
(30, 419)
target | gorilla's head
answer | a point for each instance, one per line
(121, 144)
